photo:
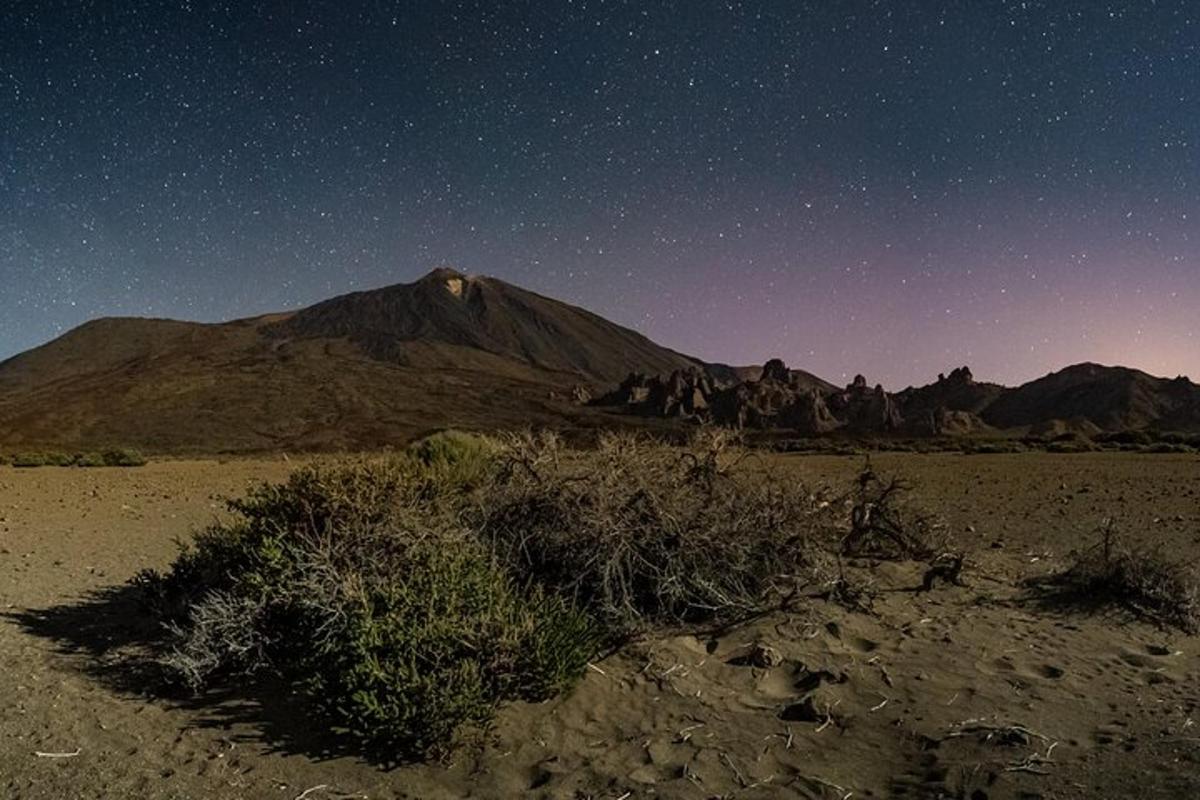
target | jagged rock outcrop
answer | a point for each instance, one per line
(684, 393)
(945, 422)
(866, 409)
(958, 391)
(780, 398)
(775, 370)
(1090, 397)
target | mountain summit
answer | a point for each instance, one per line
(362, 370)
(449, 309)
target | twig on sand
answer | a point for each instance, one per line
(311, 789)
(1010, 734)
(741, 779)
(842, 791)
(991, 729)
(686, 733)
(40, 754)
(1032, 763)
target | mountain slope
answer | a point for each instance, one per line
(1112, 398)
(364, 370)
(448, 308)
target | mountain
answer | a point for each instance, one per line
(363, 370)
(410, 323)
(382, 367)
(1111, 398)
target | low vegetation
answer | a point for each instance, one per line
(355, 582)
(641, 534)
(407, 597)
(107, 458)
(1143, 581)
(885, 524)
(1139, 441)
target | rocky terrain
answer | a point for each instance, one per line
(1085, 399)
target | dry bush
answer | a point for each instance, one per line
(641, 533)
(221, 632)
(407, 597)
(1139, 579)
(885, 524)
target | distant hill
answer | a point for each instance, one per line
(958, 391)
(1111, 398)
(362, 370)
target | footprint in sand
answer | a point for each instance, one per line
(862, 645)
(1136, 659)
(1152, 662)
(1050, 671)
(1004, 664)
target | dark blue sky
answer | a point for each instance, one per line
(892, 188)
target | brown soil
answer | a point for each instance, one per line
(855, 702)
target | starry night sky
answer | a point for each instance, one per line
(893, 188)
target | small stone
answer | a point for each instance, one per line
(765, 656)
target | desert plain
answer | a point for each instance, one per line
(975, 691)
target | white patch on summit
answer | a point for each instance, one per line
(455, 286)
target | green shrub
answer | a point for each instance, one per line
(122, 458)
(354, 583)
(436, 648)
(50, 459)
(1166, 447)
(1070, 446)
(455, 459)
(110, 458)
(1127, 437)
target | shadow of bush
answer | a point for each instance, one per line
(108, 636)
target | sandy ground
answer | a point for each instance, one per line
(1111, 703)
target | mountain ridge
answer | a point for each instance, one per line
(1081, 397)
(379, 367)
